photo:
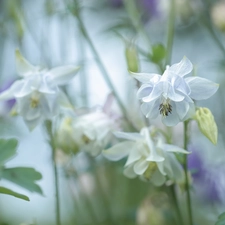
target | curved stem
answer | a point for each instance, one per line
(48, 125)
(100, 64)
(170, 34)
(186, 173)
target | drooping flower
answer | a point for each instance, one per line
(37, 94)
(148, 157)
(172, 94)
(89, 132)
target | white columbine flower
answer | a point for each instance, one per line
(37, 94)
(148, 157)
(172, 94)
(89, 132)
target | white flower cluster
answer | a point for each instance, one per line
(148, 156)
(172, 95)
(37, 94)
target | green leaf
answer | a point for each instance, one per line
(158, 53)
(7, 149)
(24, 177)
(221, 219)
(7, 191)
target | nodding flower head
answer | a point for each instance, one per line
(172, 94)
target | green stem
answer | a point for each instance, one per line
(170, 34)
(186, 173)
(48, 125)
(100, 64)
(175, 204)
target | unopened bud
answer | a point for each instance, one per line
(132, 58)
(207, 124)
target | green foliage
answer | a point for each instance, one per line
(7, 149)
(158, 53)
(221, 219)
(7, 191)
(24, 177)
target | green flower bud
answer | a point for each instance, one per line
(207, 124)
(64, 137)
(132, 58)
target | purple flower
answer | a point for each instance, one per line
(205, 178)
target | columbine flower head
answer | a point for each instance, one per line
(171, 95)
(89, 132)
(148, 157)
(37, 94)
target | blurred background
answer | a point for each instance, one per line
(93, 190)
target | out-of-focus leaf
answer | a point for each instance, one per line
(24, 177)
(7, 149)
(7, 191)
(221, 219)
(158, 53)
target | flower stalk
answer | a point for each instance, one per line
(187, 186)
(48, 125)
(100, 64)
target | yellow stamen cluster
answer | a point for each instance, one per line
(165, 108)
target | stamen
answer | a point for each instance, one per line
(34, 102)
(165, 108)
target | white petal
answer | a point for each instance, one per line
(161, 167)
(155, 93)
(174, 169)
(134, 155)
(182, 109)
(174, 148)
(140, 167)
(180, 84)
(201, 88)
(61, 75)
(172, 119)
(150, 109)
(144, 77)
(153, 156)
(31, 124)
(182, 68)
(10, 92)
(129, 172)
(128, 136)
(144, 91)
(24, 68)
(118, 151)
(157, 178)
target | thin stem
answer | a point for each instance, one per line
(48, 125)
(186, 173)
(170, 34)
(176, 205)
(100, 64)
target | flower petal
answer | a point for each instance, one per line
(182, 68)
(24, 68)
(118, 151)
(150, 109)
(134, 155)
(10, 92)
(140, 167)
(174, 148)
(173, 118)
(182, 109)
(144, 91)
(128, 136)
(201, 88)
(155, 93)
(144, 77)
(129, 172)
(61, 75)
(158, 179)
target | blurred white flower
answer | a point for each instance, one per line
(90, 132)
(37, 94)
(172, 94)
(148, 157)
